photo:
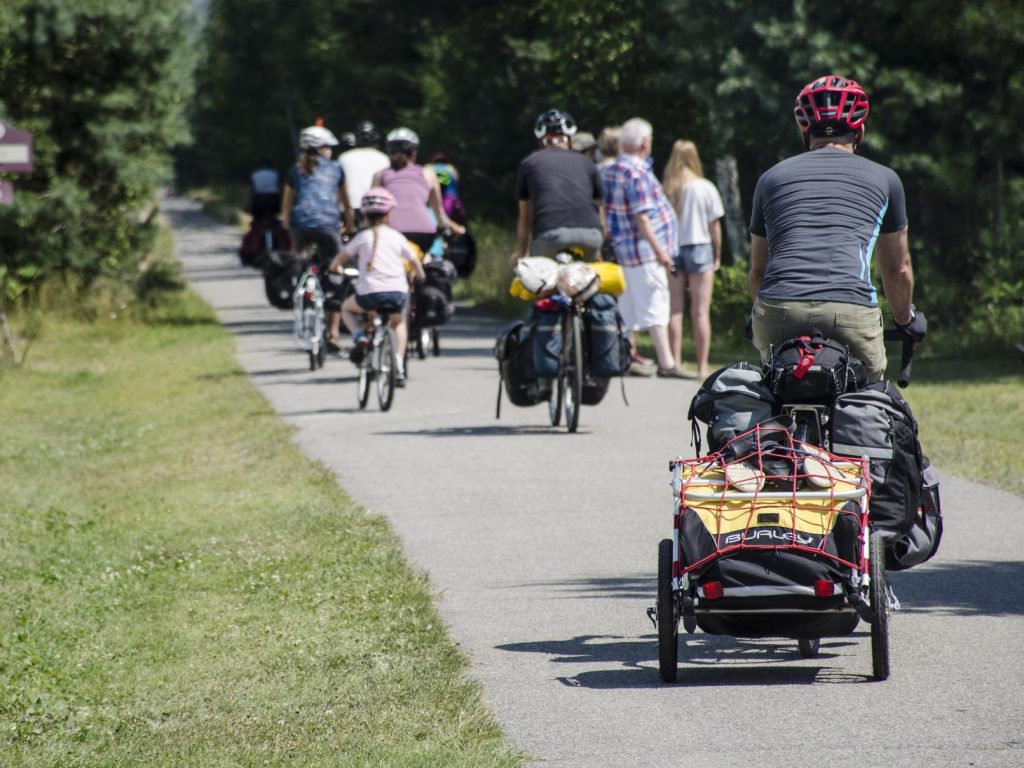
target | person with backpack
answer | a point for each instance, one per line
(382, 253)
(314, 191)
(818, 220)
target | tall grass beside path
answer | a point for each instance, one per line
(180, 586)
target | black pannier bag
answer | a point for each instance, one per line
(433, 296)
(547, 343)
(514, 353)
(462, 253)
(607, 345)
(594, 391)
(281, 273)
(876, 422)
(812, 368)
(922, 541)
(732, 400)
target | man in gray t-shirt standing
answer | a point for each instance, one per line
(561, 201)
(818, 220)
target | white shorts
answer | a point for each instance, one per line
(645, 304)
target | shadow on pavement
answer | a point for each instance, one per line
(495, 431)
(704, 660)
(965, 588)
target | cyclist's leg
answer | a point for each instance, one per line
(350, 311)
(401, 329)
(860, 328)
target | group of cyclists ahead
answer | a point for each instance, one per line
(368, 207)
(818, 221)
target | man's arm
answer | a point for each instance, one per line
(758, 264)
(897, 274)
(602, 216)
(286, 204)
(716, 243)
(350, 219)
(643, 225)
(523, 230)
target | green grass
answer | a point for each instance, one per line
(971, 414)
(181, 587)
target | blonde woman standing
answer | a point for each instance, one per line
(699, 209)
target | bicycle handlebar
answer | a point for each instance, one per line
(906, 354)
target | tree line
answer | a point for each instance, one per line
(470, 76)
(104, 87)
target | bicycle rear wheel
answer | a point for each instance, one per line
(572, 350)
(880, 608)
(363, 383)
(386, 372)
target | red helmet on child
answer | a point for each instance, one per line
(831, 105)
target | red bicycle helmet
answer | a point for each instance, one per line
(831, 105)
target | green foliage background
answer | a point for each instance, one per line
(105, 84)
(946, 89)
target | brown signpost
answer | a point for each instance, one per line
(15, 157)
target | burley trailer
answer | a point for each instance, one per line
(771, 538)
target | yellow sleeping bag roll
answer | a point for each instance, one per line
(613, 280)
(519, 290)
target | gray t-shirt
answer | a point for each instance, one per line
(822, 212)
(562, 185)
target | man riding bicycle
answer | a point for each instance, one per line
(818, 219)
(561, 201)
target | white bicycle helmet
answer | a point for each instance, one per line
(403, 140)
(316, 136)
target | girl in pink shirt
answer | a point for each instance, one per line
(382, 253)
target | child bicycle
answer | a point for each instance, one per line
(379, 363)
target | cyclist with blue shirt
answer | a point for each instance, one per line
(312, 194)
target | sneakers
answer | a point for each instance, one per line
(639, 369)
(744, 477)
(358, 352)
(399, 374)
(673, 373)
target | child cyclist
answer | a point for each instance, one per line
(382, 253)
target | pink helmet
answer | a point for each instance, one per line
(833, 103)
(377, 200)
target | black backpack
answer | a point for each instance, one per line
(923, 539)
(731, 400)
(462, 253)
(876, 422)
(812, 368)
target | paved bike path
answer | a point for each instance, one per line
(542, 548)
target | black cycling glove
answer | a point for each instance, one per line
(917, 328)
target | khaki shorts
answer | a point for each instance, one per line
(856, 326)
